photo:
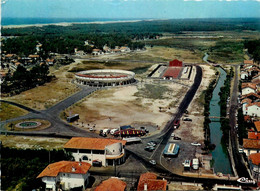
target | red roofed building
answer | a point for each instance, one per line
(253, 135)
(175, 63)
(252, 109)
(248, 88)
(112, 184)
(254, 163)
(65, 175)
(148, 181)
(257, 125)
(251, 146)
(97, 151)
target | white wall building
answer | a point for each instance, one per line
(244, 75)
(97, 150)
(248, 88)
(252, 109)
(65, 175)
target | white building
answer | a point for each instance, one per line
(65, 175)
(96, 52)
(248, 88)
(97, 151)
(252, 109)
(244, 75)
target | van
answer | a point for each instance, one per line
(113, 131)
(186, 165)
(195, 164)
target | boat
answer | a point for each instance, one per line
(244, 180)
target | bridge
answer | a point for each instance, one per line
(216, 118)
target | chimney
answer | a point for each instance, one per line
(145, 187)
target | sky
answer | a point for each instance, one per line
(130, 9)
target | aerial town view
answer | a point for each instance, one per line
(124, 95)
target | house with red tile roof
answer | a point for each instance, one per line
(175, 63)
(243, 75)
(112, 184)
(249, 62)
(65, 175)
(248, 88)
(254, 164)
(97, 151)
(251, 146)
(148, 181)
(253, 135)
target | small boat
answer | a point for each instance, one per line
(245, 180)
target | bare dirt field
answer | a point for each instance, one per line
(143, 104)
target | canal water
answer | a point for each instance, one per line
(220, 157)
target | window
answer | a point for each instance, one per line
(84, 158)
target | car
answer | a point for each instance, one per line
(195, 164)
(113, 131)
(176, 138)
(149, 148)
(241, 150)
(196, 144)
(153, 162)
(172, 135)
(187, 164)
(151, 144)
(187, 119)
(97, 163)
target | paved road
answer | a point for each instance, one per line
(58, 127)
(163, 138)
(239, 163)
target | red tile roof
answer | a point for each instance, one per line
(250, 94)
(249, 85)
(248, 62)
(34, 56)
(175, 63)
(65, 167)
(255, 158)
(253, 135)
(251, 144)
(257, 125)
(252, 104)
(152, 182)
(172, 72)
(112, 184)
(91, 143)
(246, 100)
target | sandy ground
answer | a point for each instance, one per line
(194, 130)
(122, 106)
(184, 186)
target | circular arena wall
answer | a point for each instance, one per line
(103, 78)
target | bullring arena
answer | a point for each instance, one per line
(104, 78)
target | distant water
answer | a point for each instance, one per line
(31, 21)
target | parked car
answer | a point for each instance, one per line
(187, 119)
(106, 131)
(149, 148)
(241, 150)
(97, 163)
(176, 138)
(153, 162)
(186, 164)
(196, 144)
(195, 164)
(113, 131)
(151, 144)
(172, 135)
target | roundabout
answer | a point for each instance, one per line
(28, 124)
(105, 78)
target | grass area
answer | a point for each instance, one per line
(152, 91)
(44, 124)
(24, 142)
(43, 97)
(9, 111)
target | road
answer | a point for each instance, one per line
(58, 127)
(163, 138)
(239, 163)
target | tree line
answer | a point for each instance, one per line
(23, 79)
(253, 48)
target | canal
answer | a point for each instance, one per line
(220, 156)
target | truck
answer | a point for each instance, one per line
(73, 118)
(195, 164)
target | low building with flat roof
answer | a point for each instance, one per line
(171, 149)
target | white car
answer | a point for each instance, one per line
(172, 135)
(152, 162)
(196, 144)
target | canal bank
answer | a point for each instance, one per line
(220, 156)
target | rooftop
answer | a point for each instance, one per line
(112, 184)
(65, 167)
(251, 143)
(257, 125)
(255, 158)
(249, 85)
(152, 182)
(91, 143)
(248, 62)
(253, 135)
